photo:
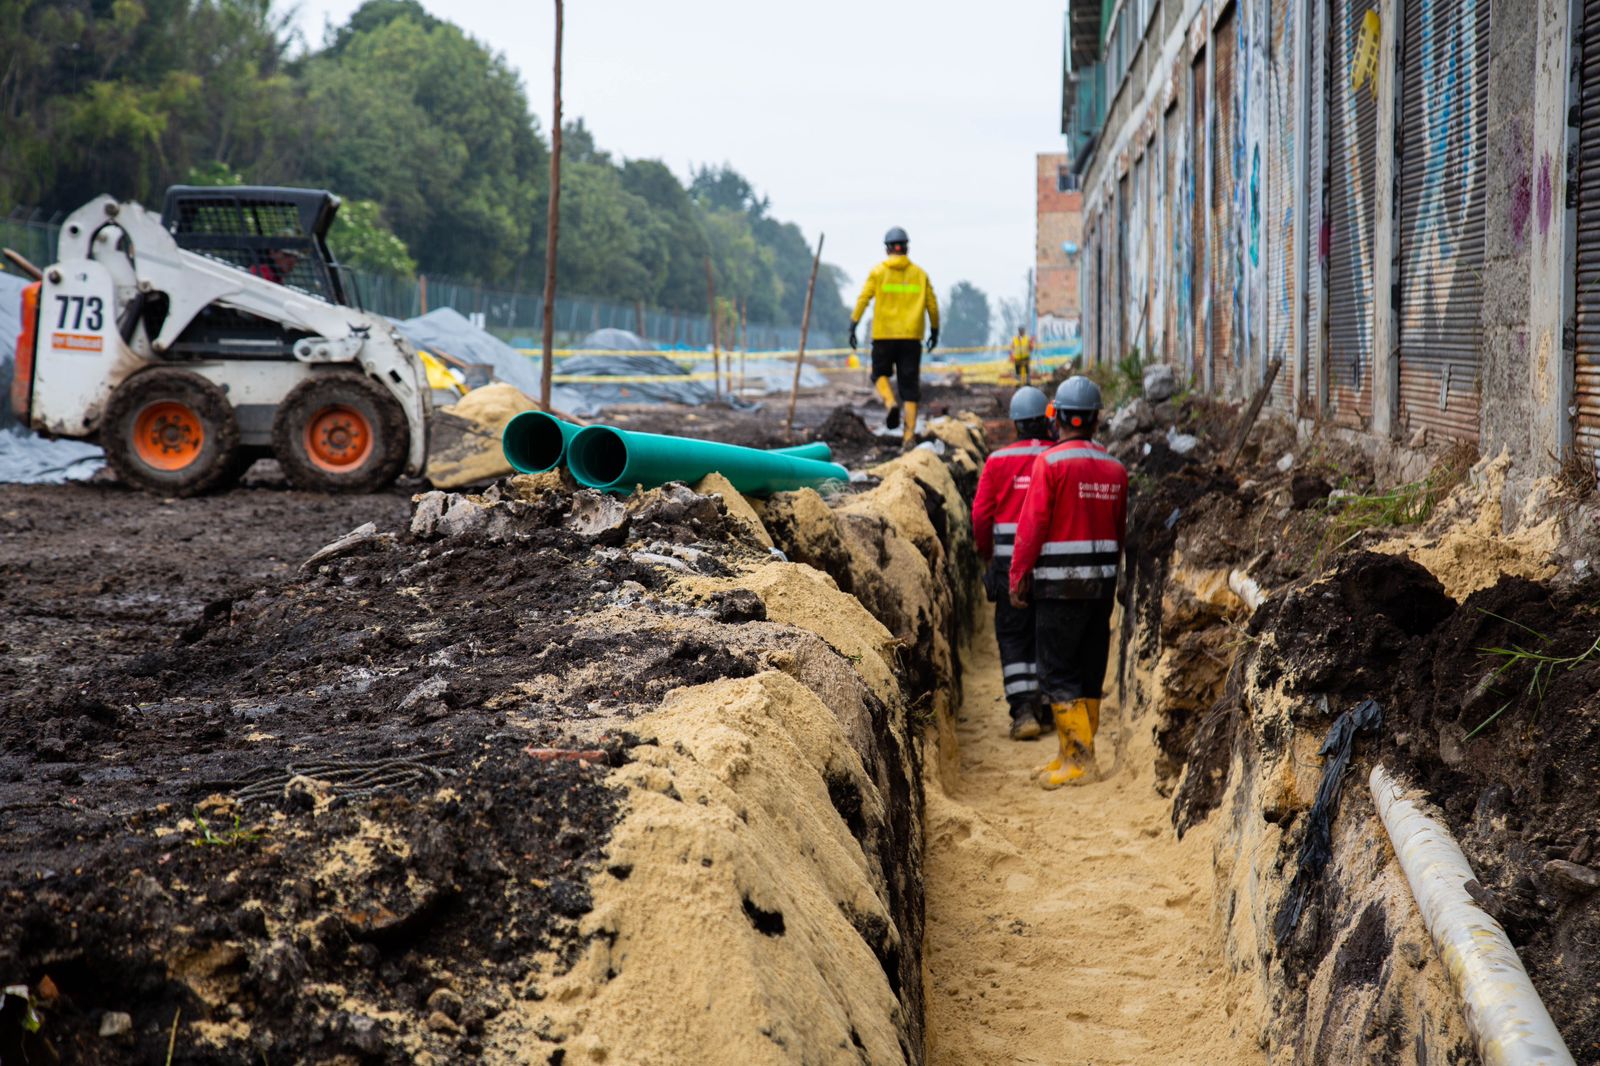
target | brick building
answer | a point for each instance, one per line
(1059, 225)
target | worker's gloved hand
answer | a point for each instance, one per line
(933, 339)
(852, 336)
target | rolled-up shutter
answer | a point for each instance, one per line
(1224, 272)
(1316, 249)
(1352, 185)
(1280, 221)
(1442, 163)
(1587, 295)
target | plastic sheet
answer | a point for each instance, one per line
(1316, 847)
(1506, 1016)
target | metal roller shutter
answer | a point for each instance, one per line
(1197, 218)
(1587, 294)
(1224, 266)
(1280, 220)
(1316, 234)
(1352, 184)
(1442, 164)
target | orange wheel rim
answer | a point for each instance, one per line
(168, 435)
(338, 438)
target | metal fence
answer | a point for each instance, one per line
(516, 316)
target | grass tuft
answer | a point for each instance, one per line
(1545, 667)
(227, 838)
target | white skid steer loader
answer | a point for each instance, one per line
(193, 344)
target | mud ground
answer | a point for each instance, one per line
(313, 806)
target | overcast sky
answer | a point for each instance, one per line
(850, 116)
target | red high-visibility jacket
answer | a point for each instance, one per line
(1073, 524)
(1001, 488)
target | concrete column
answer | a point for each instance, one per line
(1302, 213)
(1506, 410)
(1553, 232)
(1385, 237)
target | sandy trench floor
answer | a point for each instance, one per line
(1066, 927)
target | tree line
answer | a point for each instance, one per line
(425, 132)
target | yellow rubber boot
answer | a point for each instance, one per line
(1075, 765)
(910, 434)
(886, 394)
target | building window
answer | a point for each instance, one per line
(1066, 180)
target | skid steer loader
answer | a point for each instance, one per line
(224, 331)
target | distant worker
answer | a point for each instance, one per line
(904, 296)
(1064, 562)
(1021, 354)
(1001, 489)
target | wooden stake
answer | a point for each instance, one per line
(422, 291)
(1254, 412)
(744, 341)
(716, 330)
(805, 328)
(552, 229)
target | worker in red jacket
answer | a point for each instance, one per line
(1064, 562)
(1001, 488)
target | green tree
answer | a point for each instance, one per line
(967, 318)
(683, 286)
(360, 239)
(434, 126)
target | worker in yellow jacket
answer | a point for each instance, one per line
(904, 295)
(1021, 355)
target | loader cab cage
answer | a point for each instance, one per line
(275, 233)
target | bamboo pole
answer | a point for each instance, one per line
(805, 328)
(552, 228)
(716, 331)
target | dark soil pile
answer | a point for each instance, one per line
(326, 812)
(1520, 794)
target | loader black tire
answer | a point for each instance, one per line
(170, 432)
(340, 432)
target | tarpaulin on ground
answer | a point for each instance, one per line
(615, 340)
(448, 331)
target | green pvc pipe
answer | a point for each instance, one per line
(815, 450)
(534, 442)
(618, 459)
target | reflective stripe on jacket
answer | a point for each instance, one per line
(1002, 486)
(1073, 524)
(904, 298)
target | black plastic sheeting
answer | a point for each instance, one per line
(1316, 847)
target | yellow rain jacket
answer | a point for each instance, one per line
(903, 294)
(1021, 348)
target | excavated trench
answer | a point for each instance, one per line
(541, 776)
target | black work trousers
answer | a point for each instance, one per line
(901, 360)
(1073, 642)
(1014, 632)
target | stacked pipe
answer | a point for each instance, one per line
(617, 460)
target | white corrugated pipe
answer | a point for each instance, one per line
(1505, 1014)
(1244, 586)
